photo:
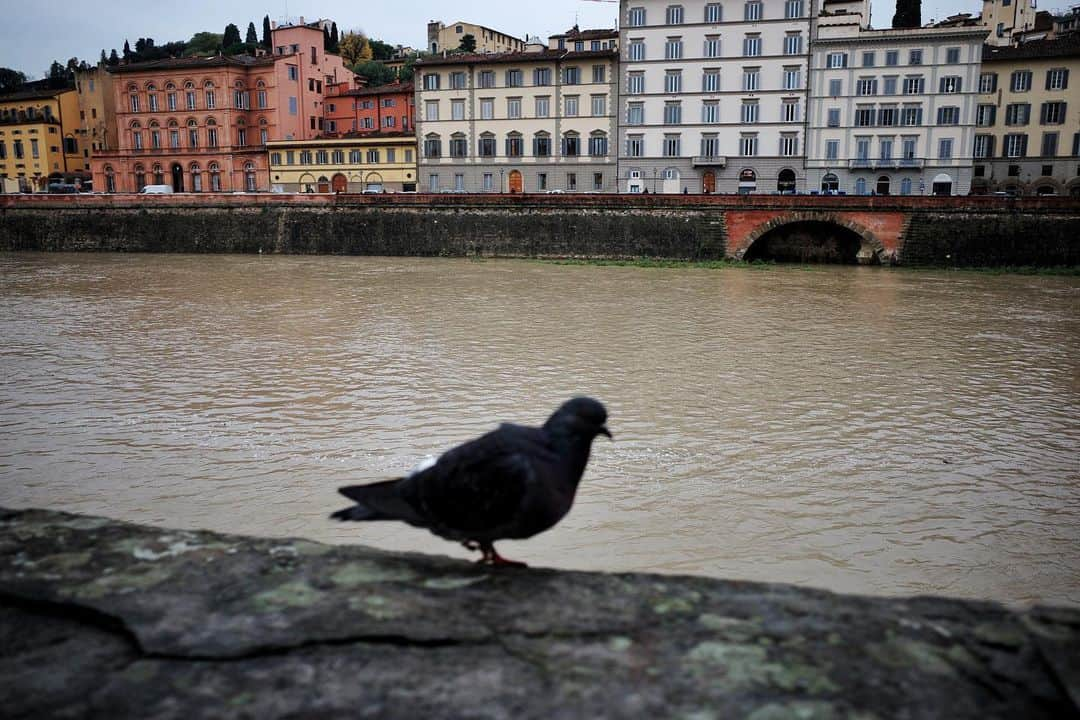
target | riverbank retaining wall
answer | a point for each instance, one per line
(932, 231)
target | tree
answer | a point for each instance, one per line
(908, 14)
(375, 72)
(252, 36)
(365, 50)
(231, 36)
(204, 43)
(335, 39)
(266, 36)
(11, 79)
(350, 46)
(381, 50)
(468, 43)
(114, 58)
(60, 76)
(104, 58)
(127, 51)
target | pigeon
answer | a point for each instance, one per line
(513, 482)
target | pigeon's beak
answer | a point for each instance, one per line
(604, 431)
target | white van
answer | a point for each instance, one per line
(157, 190)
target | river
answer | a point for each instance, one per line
(862, 430)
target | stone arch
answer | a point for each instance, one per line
(871, 250)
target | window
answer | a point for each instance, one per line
(1017, 114)
(866, 86)
(672, 145)
(833, 117)
(1057, 79)
(542, 145)
(515, 146)
(710, 111)
(792, 44)
(752, 45)
(674, 15)
(459, 147)
(749, 113)
(868, 59)
(294, 74)
(836, 60)
(260, 98)
(354, 157)
(911, 115)
(516, 78)
(710, 81)
(571, 106)
(292, 105)
(431, 110)
(836, 88)
(153, 102)
(572, 76)
(984, 146)
(673, 48)
(322, 157)
(714, 12)
(571, 145)
(487, 145)
(635, 17)
(571, 181)
(433, 182)
(864, 116)
(241, 137)
(948, 115)
(949, 84)
(513, 108)
(712, 46)
(541, 181)
(211, 137)
(598, 146)
(543, 106)
(636, 50)
(862, 148)
(913, 85)
(793, 9)
(911, 146)
(432, 146)
(635, 83)
(945, 149)
(673, 81)
(170, 101)
(134, 103)
(599, 105)
(1049, 145)
(338, 157)
(598, 181)
(892, 58)
(752, 11)
(635, 145)
(710, 146)
(1015, 145)
(431, 81)
(1021, 81)
(1053, 113)
(890, 85)
(305, 157)
(136, 138)
(487, 108)
(672, 112)
(635, 113)
(748, 144)
(486, 79)
(985, 115)
(789, 145)
(789, 111)
(886, 116)
(174, 138)
(987, 82)
(832, 149)
(915, 57)
(751, 79)
(155, 139)
(489, 182)
(599, 73)
(457, 110)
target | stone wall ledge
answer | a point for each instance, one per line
(114, 620)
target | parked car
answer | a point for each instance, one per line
(157, 190)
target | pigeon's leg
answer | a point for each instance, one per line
(491, 557)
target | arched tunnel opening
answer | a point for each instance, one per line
(808, 241)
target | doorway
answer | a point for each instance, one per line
(515, 181)
(177, 178)
(708, 182)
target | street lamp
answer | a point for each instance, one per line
(502, 172)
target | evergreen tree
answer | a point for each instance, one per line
(335, 40)
(266, 41)
(127, 51)
(104, 57)
(231, 37)
(252, 37)
(468, 43)
(908, 14)
(114, 58)
(326, 38)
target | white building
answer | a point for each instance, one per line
(891, 111)
(714, 95)
(534, 121)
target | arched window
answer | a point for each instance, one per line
(883, 183)
(159, 174)
(136, 135)
(860, 186)
(830, 183)
(459, 146)
(193, 133)
(541, 144)
(571, 144)
(432, 146)
(264, 131)
(170, 96)
(196, 178)
(215, 177)
(249, 177)
(785, 181)
(211, 133)
(140, 178)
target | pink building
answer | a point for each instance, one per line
(202, 124)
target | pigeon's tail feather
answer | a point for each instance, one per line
(378, 501)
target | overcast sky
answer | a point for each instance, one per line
(44, 30)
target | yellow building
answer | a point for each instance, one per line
(448, 37)
(379, 162)
(39, 138)
(97, 111)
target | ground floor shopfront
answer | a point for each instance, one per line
(193, 172)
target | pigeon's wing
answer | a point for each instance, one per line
(477, 489)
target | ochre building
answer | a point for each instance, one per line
(378, 162)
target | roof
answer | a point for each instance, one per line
(34, 94)
(575, 33)
(390, 89)
(347, 138)
(195, 62)
(545, 55)
(1067, 46)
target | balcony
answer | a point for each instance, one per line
(710, 161)
(885, 164)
